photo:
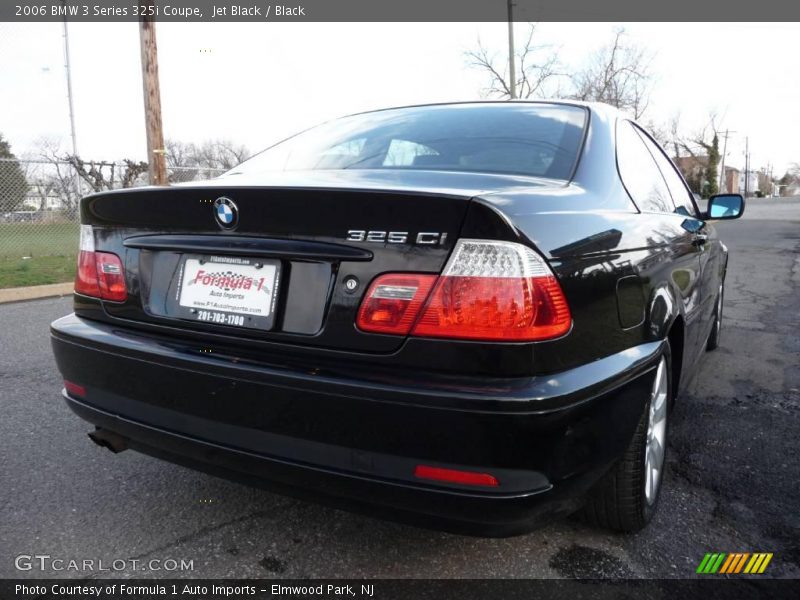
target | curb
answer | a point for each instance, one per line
(35, 292)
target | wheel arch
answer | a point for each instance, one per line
(676, 343)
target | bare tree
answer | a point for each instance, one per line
(101, 175)
(50, 176)
(704, 146)
(537, 65)
(41, 185)
(211, 154)
(667, 134)
(765, 183)
(222, 154)
(702, 140)
(188, 161)
(618, 74)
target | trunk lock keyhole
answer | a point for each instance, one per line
(351, 284)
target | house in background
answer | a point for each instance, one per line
(732, 179)
(693, 169)
(752, 183)
(41, 197)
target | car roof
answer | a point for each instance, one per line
(597, 107)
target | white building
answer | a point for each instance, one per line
(41, 198)
(752, 182)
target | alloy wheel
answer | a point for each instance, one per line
(718, 324)
(656, 433)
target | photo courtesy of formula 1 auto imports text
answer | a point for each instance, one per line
(369, 299)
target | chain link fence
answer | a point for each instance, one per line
(39, 218)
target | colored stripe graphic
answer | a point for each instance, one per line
(733, 563)
(732, 559)
(717, 564)
(753, 561)
(711, 563)
(703, 563)
(758, 563)
(741, 562)
(764, 564)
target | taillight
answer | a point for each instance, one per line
(100, 274)
(492, 290)
(392, 302)
(489, 290)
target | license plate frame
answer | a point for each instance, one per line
(223, 295)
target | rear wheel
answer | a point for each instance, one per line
(626, 498)
(713, 338)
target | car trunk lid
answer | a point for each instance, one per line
(316, 238)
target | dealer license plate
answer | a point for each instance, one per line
(235, 291)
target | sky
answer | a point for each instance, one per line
(257, 83)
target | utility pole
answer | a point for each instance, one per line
(746, 165)
(156, 159)
(68, 69)
(722, 168)
(512, 81)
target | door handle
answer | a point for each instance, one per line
(700, 239)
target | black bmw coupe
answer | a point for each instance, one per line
(474, 316)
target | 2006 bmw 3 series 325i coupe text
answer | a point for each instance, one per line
(474, 317)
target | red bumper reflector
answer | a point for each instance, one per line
(454, 476)
(73, 389)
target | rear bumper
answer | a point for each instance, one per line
(352, 439)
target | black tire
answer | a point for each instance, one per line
(713, 337)
(618, 502)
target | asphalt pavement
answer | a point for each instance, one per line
(731, 483)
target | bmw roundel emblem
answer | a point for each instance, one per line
(226, 212)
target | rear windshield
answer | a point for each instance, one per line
(541, 140)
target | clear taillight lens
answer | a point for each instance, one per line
(100, 274)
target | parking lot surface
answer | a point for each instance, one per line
(731, 481)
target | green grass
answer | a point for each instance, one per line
(36, 271)
(37, 253)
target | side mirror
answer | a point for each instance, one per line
(725, 206)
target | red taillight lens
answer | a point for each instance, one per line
(495, 308)
(455, 476)
(111, 277)
(100, 274)
(489, 290)
(392, 303)
(86, 277)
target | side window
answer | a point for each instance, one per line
(403, 153)
(639, 172)
(677, 189)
